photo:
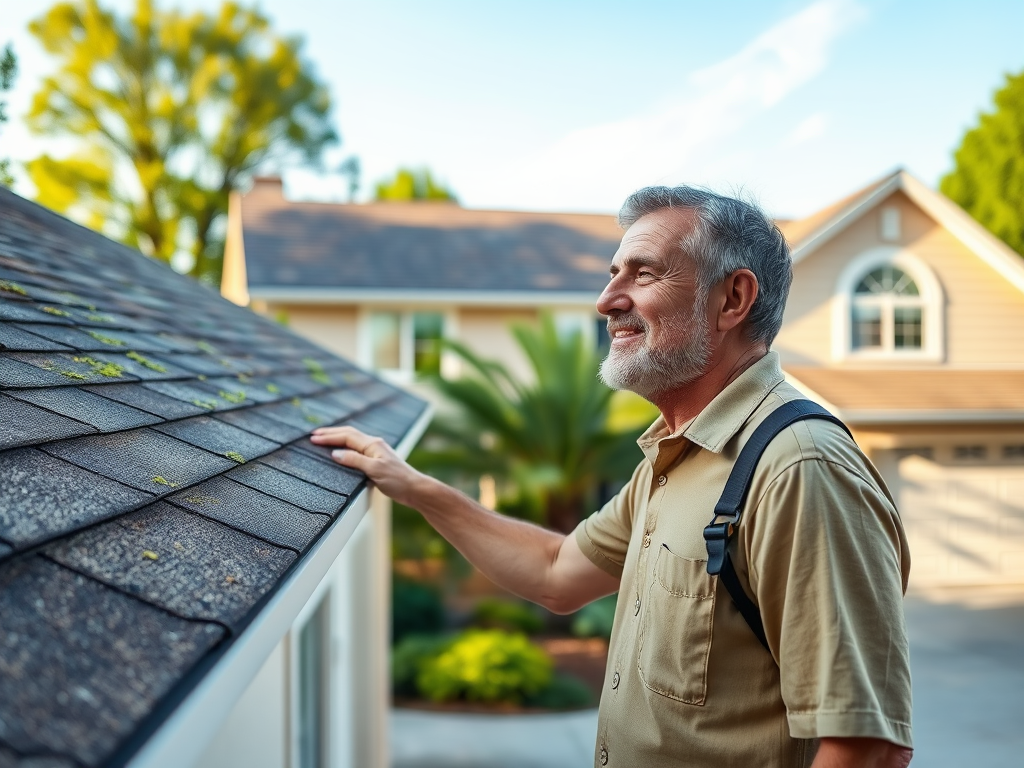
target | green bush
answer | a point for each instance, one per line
(595, 619)
(486, 665)
(416, 608)
(563, 692)
(510, 615)
(408, 658)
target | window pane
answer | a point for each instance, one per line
(907, 327)
(313, 677)
(384, 338)
(887, 280)
(867, 327)
(427, 329)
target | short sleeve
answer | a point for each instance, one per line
(827, 563)
(604, 536)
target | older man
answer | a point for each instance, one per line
(696, 296)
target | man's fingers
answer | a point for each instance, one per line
(351, 459)
(349, 437)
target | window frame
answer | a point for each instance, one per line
(405, 373)
(931, 302)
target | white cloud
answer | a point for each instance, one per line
(808, 129)
(682, 133)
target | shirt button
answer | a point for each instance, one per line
(604, 756)
(647, 539)
(636, 607)
(662, 479)
(615, 680)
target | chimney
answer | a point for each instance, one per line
(267, 185)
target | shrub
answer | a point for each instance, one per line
(595, 619)
(408, 658)
(486, 665)
(563, 692)
(416, 608)
(510, 615)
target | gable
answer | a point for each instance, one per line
(979, 304)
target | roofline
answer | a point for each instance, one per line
(958, 222)
(185, 734)
(446, 296)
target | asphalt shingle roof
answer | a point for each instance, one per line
(421, 246)
(156, 482)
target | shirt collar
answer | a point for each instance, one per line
(724, 416)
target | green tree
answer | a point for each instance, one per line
(988, 178)
(548, 443)
(411, 185)
(8, 69)
(171, 112)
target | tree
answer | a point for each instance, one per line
(411, 185)
(988, 180)
(548, 443)
(8, 70)
(171, 113)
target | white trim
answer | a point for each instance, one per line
(942, 415)
(423, 297)
(184, 736)
(932, 299)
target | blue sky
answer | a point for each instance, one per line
(566, 105)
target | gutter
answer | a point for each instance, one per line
(406, 296)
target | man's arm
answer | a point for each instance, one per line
(540, 565)
(861, 753)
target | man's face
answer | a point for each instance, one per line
(657, 319)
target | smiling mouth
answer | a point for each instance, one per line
(625, 334)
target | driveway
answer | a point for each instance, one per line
(967, 659)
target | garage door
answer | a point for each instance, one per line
(965, 523)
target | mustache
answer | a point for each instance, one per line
(627, 322)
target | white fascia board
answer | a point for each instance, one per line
(940, 416)
(845, 218)
(183, 737)
(447, 298)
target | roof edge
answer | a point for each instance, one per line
(183, 737)
(446, 296)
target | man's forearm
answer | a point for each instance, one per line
(861, 753)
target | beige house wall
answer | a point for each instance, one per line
(984, 313)
(334, 328)
(486, 332)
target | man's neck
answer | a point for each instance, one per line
(680, 405)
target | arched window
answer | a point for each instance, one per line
(887, 311)
(888, 304)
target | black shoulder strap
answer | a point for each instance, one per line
(729, 508)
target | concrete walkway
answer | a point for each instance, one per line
(967, 659)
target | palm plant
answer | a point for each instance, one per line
(548, 443)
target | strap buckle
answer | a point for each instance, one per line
(716, 537)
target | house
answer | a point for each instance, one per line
(185, 580)
(906, 318)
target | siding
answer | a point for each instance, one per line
(333, 328)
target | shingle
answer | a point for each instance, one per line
(18, 340)
(288, 488)
(25, 424)
(293, 413)
(333, 477)
(69, 336)
(61, 368)
(218, 437)
(202, 569)
(195, 393)
(41, 497)
(201, 363)
(106, 415)
(5, 549)
(251, 420)
(14, 373)
(241, 507)
(139, 457)
(145, 399)
(10, 759)
(82, 664)
(26, 312)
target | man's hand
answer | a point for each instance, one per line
(374, 458)
(861, 753)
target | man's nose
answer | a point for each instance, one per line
(613, 299)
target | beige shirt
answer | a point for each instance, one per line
(824, 556)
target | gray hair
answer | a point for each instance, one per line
(729, 234)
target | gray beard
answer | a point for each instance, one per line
(651, 372)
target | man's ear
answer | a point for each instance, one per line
(738, 291)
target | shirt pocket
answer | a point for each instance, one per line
(675, 635)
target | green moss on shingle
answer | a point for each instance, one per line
(102, 367)
(96, 318)
(233, 397)
(55, 311)
(146, 362)
(207, 347)
(12, 287)
(316, 371)
(160, 480)
(273, 389)
(107, 340)
(73, 375)
(235, 456)
(207, 404)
